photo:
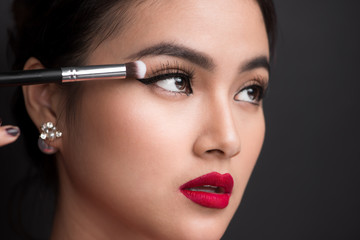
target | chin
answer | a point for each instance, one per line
(205, 228)
(206, 233)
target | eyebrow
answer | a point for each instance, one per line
(196, 57)
(179, 51)
(257, 62)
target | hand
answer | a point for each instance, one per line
(8, 134)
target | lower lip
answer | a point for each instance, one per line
(210, 200)
(206, 199)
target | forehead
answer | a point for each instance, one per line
(220, 28)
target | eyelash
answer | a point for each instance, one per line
(259, 86)
(168, 71)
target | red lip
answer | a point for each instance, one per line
(211, 190)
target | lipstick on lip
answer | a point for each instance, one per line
(212, 190)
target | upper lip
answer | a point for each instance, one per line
(215, 179)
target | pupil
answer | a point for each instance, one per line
(180, 84)
(251, 93)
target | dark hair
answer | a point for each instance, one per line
(58, 33)
(269, 14)
(62, 33)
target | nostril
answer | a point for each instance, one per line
(223, 154)
(212, 151)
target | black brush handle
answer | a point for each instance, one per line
(30, 77)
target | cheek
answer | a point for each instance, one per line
(126, 145)
(121, 133)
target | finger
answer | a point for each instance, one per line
(8, 134)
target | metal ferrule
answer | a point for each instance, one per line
(93, 73)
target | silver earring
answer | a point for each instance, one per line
(50, 133)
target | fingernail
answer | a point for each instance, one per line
(0, 121)
(12, 131)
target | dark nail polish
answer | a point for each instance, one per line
(13, 131)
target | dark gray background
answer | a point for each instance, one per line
(306, 182)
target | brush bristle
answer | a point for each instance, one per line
(136, 70)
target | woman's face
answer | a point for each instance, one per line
(134, 146)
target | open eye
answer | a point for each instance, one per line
(178, 83)
(172, 82)
(252, 94)
(171, 77)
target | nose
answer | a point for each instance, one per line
(218, 136)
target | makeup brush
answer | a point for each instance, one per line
(135, 70)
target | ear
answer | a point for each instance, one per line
(42, 100)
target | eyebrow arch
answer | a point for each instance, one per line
(170, 49)
(257, 62)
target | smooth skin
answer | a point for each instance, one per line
(132, 146)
